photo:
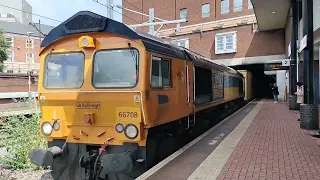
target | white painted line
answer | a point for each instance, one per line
(211, 167)
(164, 162)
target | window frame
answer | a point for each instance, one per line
(170, 72)
(125, 48)
(209, 12)
(237, 9)
(46, 64)
(187, 41)
(32, 44)
(227, 11)
(12, 40)
(32, 59)
(12, 52)
(226, 51)
(186, 13)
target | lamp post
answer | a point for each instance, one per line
(29, 63)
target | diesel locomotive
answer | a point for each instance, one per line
(115, 101)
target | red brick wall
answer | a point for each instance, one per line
(170, 10)
(249, 43)
(16, 84)
(19, 48)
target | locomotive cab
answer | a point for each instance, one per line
(91, 87)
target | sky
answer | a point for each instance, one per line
(63, 9)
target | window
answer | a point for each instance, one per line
(250, 4)
(205, 10)
(181, 42)
(29, 43)
(226, 43)
(183, 13)
(9, 39)
(237, 5)
(10, 55)
(225, 7)
(115, 68)
(31, 56)
(160, 73)
(64, 71)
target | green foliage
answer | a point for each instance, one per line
(4, 45)
(22, 135)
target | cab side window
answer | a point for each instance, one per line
(160, 73)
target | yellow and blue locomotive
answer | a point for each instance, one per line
(115, 101)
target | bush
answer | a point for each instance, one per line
(22, 134)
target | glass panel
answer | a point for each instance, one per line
(183, 43)
(64, 71)
(224, 6)
(115, 68)
(156, 79)
(10, 55)
(9, 39)
(220, 43)
(238, 5)
(183, 13)
(205, 10)
(175, 43)
(165, 72)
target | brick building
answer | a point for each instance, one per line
(23, 16)
(226, 31)
(221, 30)
(17, 34)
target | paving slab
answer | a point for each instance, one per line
(274, 147)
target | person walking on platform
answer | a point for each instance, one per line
(299, 94)
(275, 92)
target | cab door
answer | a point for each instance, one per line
(190, 87)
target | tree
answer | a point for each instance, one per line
(4, 46)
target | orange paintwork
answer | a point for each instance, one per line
(65, 105)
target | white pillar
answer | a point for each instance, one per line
(281, 83)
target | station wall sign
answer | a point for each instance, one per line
(275, 67)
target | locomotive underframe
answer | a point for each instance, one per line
(128, 161)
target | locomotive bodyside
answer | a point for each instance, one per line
(112, 99)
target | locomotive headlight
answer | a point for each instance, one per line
(56, 126)
(131, 131)
(84, 42)
(46, 129)
(119, 128)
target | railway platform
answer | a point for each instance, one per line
(262, 140)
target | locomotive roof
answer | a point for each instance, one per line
(86, 21)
